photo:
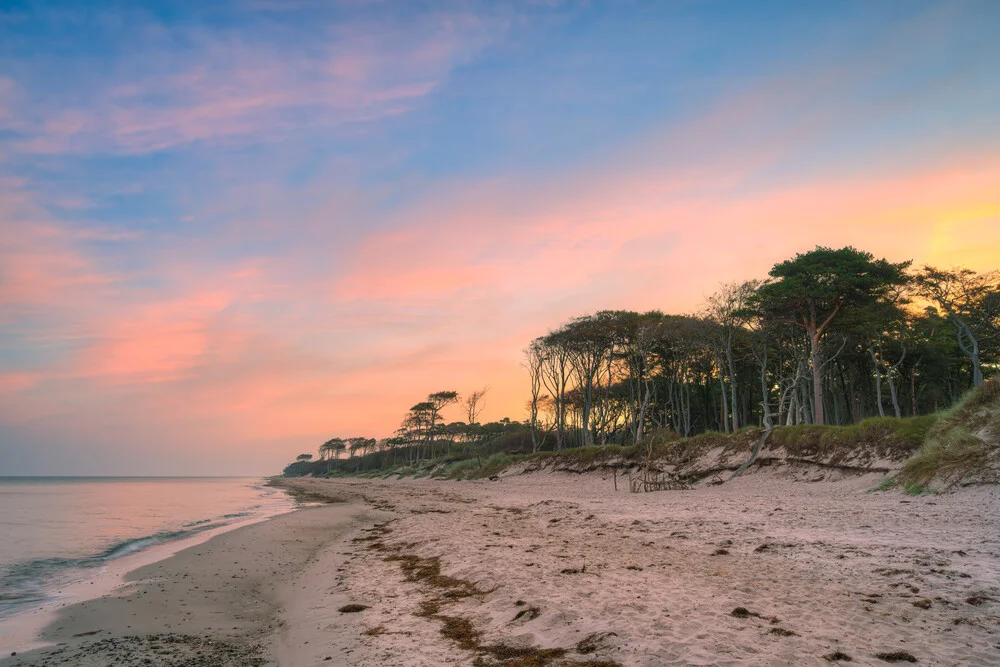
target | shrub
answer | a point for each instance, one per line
(884, 485)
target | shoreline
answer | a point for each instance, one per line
(208, 603)
(21, 632)
(563, 570)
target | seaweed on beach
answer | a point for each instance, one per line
(462, 631)
(168, 648)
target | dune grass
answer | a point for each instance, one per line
(963, 441)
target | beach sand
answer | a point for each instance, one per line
(216, 603)
(556, 568)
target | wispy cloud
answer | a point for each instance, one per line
(245, 86)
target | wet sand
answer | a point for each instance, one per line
(216, 603)
(562, 569)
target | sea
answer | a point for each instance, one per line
(58, 531)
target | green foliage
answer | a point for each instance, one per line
(954, 448)
(818, 282)
(886, 484)
(297, 469)
(915, 489)
(461, 469)
(882, 436)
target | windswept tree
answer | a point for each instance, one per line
(730, 309)
(587, 341)
(971, 302)
(534, 360)
(423, 421)
(811, 289)
(304, 457)
(331, 448)
(473, 405)
(556, 371)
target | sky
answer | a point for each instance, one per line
(230, 231)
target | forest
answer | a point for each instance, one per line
(829, 337)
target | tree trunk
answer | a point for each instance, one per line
(641, 418)
(878, 382)
(816, 361)
(724, 417)
(732, 386)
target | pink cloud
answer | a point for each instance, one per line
(154, 342)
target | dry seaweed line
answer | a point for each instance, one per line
(458, 629)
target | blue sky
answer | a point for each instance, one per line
(273, 222)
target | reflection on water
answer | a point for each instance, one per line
(59, 530)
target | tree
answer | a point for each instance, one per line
(556, 370)
(730, 309)
(421, 423)
(971, 302)
(812, 288)
(587, 343)
(534, 361)
(473, 405)
(304, 457)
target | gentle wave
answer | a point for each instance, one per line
(25, 583)
(31, 583)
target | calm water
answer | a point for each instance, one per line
(57, 530)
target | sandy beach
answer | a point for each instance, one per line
(561, 569)
(216, 603)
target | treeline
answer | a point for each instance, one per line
(831, 336)
(424, 434)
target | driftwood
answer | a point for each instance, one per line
(649, 478)
(768, 427)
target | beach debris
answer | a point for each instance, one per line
(527, 614)
(720, 552)
(838, 656)
(743, 612)
(651, 479)
(461, 631)
(352, 608)
(896, 656)
(782, 632)
(593, 642)
(977, 600)
(922, 604)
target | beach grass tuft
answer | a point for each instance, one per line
(963, 442)
(885, 484)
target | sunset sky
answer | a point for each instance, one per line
(232, 230)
